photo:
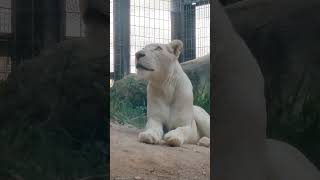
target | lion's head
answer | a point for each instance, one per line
(156, 60)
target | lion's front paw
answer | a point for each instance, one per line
(174, 138)
(204, 141)
(149, 136)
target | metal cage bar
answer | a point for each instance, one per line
(5, 37)
(158, 21)
(149, 23)
(74, 26)
(121, 41)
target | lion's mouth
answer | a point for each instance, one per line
(140, 66)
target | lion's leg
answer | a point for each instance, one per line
(204, 141)
(153, 133)
(202, 119)
(180, 135)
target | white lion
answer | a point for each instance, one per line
(170, 106)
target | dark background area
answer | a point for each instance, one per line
(53, 103)
(284, 37)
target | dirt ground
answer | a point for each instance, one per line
(132, 160)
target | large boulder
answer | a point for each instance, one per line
(198, 70)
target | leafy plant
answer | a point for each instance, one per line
(202, 97)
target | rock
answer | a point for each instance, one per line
(198, 71)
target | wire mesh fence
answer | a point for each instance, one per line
(5, 67)
(150, 21)
(5, 32)
(189, 31)
(121, 38)
(74, 24)
(202, 29)
(74, 27)
(111, 39)
(5, 16)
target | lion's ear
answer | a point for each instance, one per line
(177, 46)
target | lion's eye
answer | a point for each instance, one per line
(158, 48)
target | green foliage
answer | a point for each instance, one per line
(130, 89)
(125, 113)
(202, 98)
(128, 102)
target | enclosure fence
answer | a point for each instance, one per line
(202, 30)
(133, 24)
(5, 67)
(5, 16)
(189, 32)
(149, 23)
(136, 23)
(74, 24)
(5, 33)
(111, 37)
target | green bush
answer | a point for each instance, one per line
(130, 89)
(202, 98)
(128, 101)
(124, 112)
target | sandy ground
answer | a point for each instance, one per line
(132, 160)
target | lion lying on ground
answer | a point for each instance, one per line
(170, 106)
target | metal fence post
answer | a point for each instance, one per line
(121, 19)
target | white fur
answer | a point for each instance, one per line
(170, 99)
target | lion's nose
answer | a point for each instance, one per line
(140, 54)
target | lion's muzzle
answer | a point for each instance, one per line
(140, 66)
